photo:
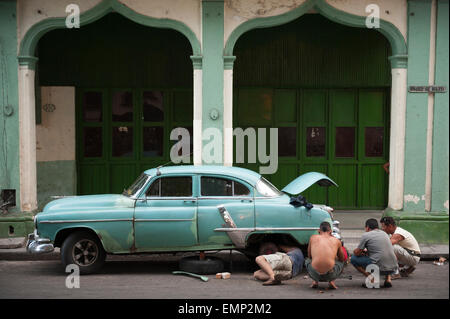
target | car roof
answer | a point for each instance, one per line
(238, 172)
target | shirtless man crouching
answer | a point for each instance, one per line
(321, 263)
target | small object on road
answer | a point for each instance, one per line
(223, 275)
(226, 275)
(204, 278)
(440, 262)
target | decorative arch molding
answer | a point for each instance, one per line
(35, 33)
(399, 58)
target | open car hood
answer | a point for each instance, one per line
(304, 181)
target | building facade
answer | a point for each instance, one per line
(94, 92)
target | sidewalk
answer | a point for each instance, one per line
(352, 228)
(351, 224)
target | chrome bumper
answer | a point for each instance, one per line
(37, 245)
(336, 231)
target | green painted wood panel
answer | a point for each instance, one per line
(285, 110)
(284, 174)
(344, 196)
(372, 195)
(111, 55)
(92, 179)
(111, 174)
(314, 52)
(316, 194)
(361, 178)
(115, 52)
(121, 175)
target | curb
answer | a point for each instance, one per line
(12, 243)
(20, 254)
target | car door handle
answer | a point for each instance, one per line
(246, 200)
(190, 201)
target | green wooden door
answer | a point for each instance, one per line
(339, 132)
(122, 132)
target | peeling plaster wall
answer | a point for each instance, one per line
(55, 136)
(393, 11)
(240, 11)
(55, 145)
(30, 12)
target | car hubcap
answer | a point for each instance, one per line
(85, 252)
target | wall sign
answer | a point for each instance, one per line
(427, 89)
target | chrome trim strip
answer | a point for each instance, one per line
(268, 197)
(84, 221)
(226, 197)
(169, 198)
(265, 229)
(164, 220)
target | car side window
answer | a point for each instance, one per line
(176, 186)
(216, 186)
(240, 190)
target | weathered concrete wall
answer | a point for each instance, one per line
(393, 11)
(55, 144)
(9, 105)
(55, 136)
(31, 12)
(240, 11)
(440, 165)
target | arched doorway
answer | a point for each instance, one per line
(326, 86)
(26, 78)
(133, 85)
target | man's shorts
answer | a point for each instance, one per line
(329, 276)
(361, 261)
(281, 264)
(364, 261)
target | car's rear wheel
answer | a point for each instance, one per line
(207, 266)
(84, 250)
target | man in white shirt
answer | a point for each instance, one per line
(406, 248)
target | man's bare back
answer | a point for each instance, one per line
(323, 250)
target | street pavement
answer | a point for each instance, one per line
(150, 277)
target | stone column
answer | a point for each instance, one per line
(228, 111)
(397, 138)
(197, 125)
(27, 139)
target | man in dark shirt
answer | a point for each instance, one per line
(375, 248)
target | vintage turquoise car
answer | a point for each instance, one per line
(179, 208)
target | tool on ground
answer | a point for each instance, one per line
(204, 278)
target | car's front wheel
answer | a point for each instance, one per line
(84, 250)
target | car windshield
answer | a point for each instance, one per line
(136, 186)
(265, 188)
